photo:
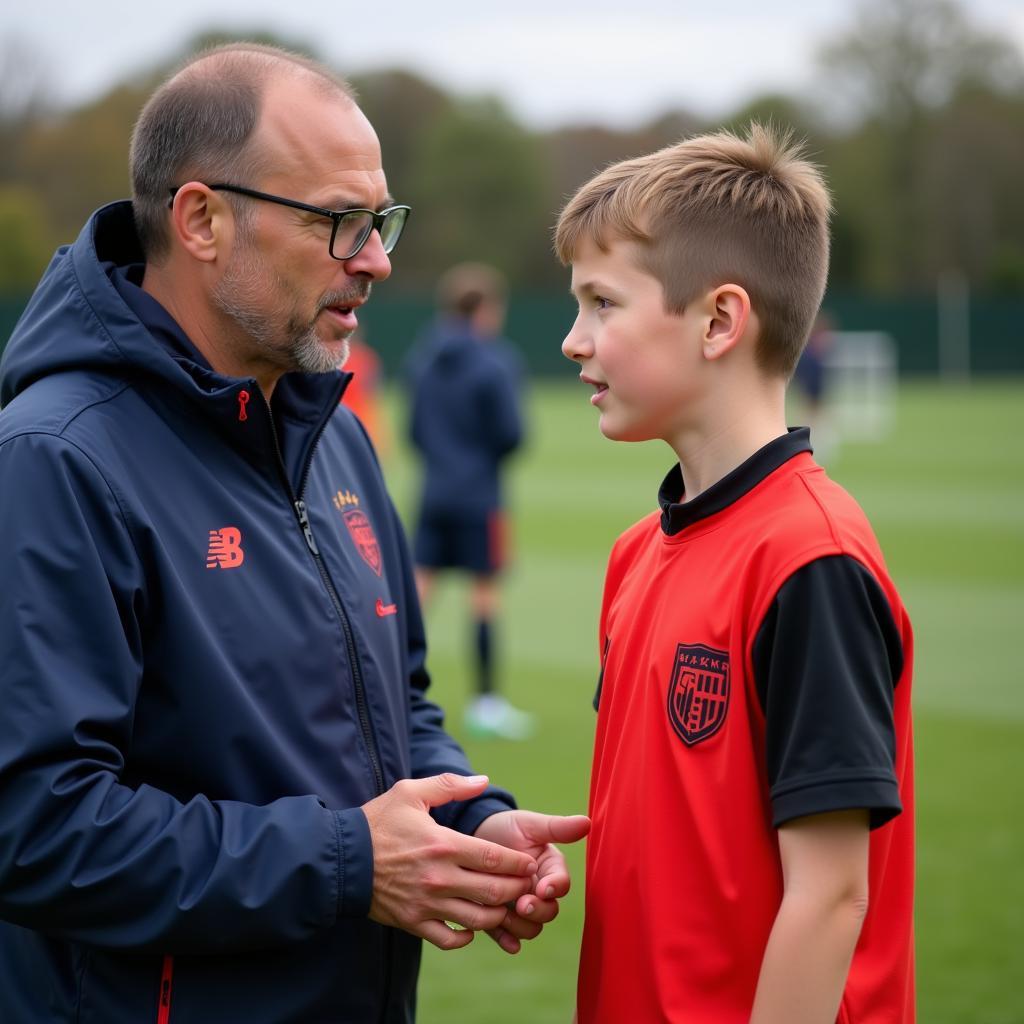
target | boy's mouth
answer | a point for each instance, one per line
(599, 388)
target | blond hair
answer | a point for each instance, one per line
(717, 209)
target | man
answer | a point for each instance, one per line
(216, 754)
(464, 382)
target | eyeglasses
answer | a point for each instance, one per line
(351, 227)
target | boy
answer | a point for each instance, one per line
(751, 855)
(465, 382)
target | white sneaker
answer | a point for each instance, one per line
(492, 717)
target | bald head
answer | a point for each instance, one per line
(201, 125)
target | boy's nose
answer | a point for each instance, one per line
(576, 345)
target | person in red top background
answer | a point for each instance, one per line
(363, 394)
(752, 848)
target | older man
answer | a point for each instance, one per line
(224, 795)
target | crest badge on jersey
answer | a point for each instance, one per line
(359, 529)
(698, 693)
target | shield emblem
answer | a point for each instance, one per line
(361, 532)
(698, 692)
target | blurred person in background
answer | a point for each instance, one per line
(811, 378)
(465, 385)
(224, 794)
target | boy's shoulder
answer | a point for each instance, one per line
(638, 534)
(800, 516)
(814, 502)
(797, 509)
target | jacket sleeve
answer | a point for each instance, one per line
(433, 750)
(83, 856)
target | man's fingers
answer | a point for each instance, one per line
(492, 890)
(471, 915)
(440, 935)
(480, 855)
(442, 789)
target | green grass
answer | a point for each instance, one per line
(946, 494)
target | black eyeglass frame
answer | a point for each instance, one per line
(377, 220)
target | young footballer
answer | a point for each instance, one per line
(751, 856)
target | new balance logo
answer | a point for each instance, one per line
(225, 551)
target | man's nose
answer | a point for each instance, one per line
(371, 259)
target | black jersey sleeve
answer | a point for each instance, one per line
(826, 661)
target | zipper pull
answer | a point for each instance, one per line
(243, 401)
(307, 530)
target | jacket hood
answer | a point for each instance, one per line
(76, 313)
(79, 319)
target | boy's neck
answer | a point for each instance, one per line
(727, 439)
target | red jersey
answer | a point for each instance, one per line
(756, 667)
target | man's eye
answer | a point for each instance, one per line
(321, 223)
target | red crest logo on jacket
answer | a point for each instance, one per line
(359, 529)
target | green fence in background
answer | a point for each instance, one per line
(538, 323)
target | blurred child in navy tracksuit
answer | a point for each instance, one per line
(465, 384)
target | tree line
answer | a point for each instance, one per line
(917, 119)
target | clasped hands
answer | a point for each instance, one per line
(506, 880)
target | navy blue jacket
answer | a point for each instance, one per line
(211, 655)
(465, 417)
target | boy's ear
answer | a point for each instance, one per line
(729, 313)
(202, 222)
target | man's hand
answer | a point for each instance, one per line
(533, 834)
(425, 874)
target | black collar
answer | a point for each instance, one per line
(747, 475)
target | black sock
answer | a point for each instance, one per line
(484, 656)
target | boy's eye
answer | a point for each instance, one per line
(601, 302)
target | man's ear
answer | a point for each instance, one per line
(729, 313)
(202, 222)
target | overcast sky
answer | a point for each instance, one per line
(607, 61)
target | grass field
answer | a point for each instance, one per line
(946, 494)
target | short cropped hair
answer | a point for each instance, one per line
(464, 288)
(199, 125)
(716, 209)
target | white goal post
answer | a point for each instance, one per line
(861, 385)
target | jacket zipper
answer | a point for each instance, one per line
(163, 1013)
(358, 684)
(353, 655)
(360, 689)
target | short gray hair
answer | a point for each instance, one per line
(199, 125)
